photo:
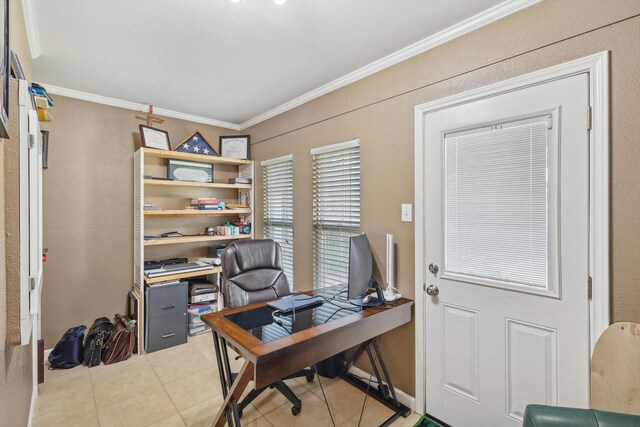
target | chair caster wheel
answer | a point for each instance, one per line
(295, 410)
(310, 378)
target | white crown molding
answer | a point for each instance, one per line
(99, 99)
(493, 14)
(31, 24)
(486, 17)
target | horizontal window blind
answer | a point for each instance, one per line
(496, 204)
(336, 210)
(277, 182)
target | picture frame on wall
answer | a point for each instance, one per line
(154, 138)
(5, 72)
(235, 146)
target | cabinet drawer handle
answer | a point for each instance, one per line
(169, 307)
(168, 335)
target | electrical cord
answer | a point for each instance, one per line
(340, 309)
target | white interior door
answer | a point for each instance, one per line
(507, 234)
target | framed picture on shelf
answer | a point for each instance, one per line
(5, 69)
(154, 138)
(179, 170)
(196, 144)
(235, 146)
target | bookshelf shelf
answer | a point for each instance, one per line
(193, 239)
(163, 183)
(187, 275)
(162, 154)
(197, 213)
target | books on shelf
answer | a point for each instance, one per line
(42, 101)
(204, 201)
(44, 115)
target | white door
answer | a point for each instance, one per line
(506, 232)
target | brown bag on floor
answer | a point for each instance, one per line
(122, 341)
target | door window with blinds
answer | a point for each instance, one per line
(277, 191)
(336, 210)
(499, 191)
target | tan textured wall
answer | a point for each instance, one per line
(18, 36)
(88, 210)
(15, 361)
(12, 218)
(380, 111)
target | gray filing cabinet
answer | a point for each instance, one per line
(165, 316)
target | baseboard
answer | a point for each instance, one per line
(405, 398)
(46, 355)
(32, 406)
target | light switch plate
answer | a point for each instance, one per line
(407, 212)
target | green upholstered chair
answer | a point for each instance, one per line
(554, 416)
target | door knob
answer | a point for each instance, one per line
(433, 290)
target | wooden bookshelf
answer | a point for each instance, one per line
(163, 183)
(197, 213)
(193, 239)
(172, 194)
(178, 276)
(176, 155)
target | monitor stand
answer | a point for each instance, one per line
(358, 301)
(373, 302)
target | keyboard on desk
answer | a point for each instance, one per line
(298, 302)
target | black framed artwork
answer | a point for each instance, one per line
(5, 70)
(235, 146)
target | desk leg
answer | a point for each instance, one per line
(230, 405)
(223, 377)
(385, 393)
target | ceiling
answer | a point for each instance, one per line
(223, 60)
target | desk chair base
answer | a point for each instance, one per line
(283, 388)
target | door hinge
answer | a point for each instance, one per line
(590, 287)
(424, 287)
(32, 283)
(589, 117)
(32, 141)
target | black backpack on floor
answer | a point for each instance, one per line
(68, 351)
(96, 341)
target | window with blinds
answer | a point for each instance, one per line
(336, 210)
(277, 191)
(498, 184)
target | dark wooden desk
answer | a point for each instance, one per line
(268, 362)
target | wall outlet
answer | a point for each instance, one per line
(407, 212)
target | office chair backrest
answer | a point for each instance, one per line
(252, 272)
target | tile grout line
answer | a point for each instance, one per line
(95, 402)
(165, 390)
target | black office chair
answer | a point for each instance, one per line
(252, 272)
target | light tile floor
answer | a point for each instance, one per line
(179, 387)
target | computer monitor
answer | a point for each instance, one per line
(360, 270)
